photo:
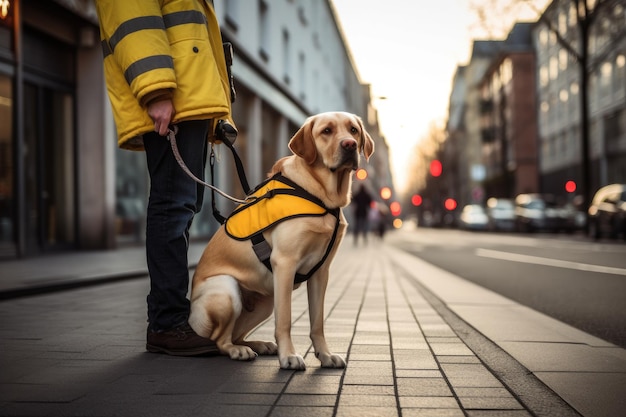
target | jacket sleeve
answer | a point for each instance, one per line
(133, 33)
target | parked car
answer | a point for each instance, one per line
(607, 212)
(501, 214)
(539, 212)
(473, 217)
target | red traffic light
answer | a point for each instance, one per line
(416, 200)
(395, 208)
(435, 168)
(450, 204)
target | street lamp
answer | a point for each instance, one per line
(6, 12)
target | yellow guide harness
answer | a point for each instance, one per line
(275, 200)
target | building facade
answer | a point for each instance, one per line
(559, 96)
(64, 185)
(471, 166)
(56, 191)
(509, 118)
(524, 101)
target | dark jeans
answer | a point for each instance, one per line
(174, 200)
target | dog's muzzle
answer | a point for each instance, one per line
(349, 155)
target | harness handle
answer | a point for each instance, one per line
(171, 137)
(227, 134)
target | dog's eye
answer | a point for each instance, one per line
(354, 130)
(327, 131)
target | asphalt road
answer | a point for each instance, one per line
(570, 278)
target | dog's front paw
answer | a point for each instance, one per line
(295, 362)
(262, 348)
(241, 353)
(331, 360)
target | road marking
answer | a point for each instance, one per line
(537, 260)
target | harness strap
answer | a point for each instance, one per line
(227, 135)
(216, 213)
(263, 251)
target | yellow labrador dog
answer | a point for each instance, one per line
(233, 291)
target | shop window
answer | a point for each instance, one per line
(131, 192)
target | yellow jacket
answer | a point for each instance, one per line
(157, 47)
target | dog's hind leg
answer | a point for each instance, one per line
(215, 307)
(256, 309)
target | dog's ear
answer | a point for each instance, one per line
(367, 143)
(303, 144)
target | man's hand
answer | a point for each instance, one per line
(161, 112)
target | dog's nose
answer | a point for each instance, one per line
(349, 144)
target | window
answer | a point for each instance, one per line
(264, 31)
(562, 23)
(563, 57)
(286, 57)
(554, 68)
(612, 131)
(620, 74)
(543, 37)
(302, 75)
(302, 15)
(232, 13)
(544, 76)
(507, 71)
(606, 72)
(573, 16)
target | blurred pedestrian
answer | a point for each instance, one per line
(361, 202)
(164, 65)
(378, 219)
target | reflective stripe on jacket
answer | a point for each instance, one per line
(161, 45)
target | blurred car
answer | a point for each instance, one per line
(539, 212)
(575, 216)
(607, 212)
(473, 217)
(501, 214)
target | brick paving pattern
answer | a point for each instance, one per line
(81, 352)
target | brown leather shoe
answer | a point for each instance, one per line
(180, 341)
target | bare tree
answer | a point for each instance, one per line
(494, 18)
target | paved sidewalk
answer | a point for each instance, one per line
(418, 342)
(56, 272)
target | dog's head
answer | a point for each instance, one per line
(334, 139)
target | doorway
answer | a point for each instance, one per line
(49, 169)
